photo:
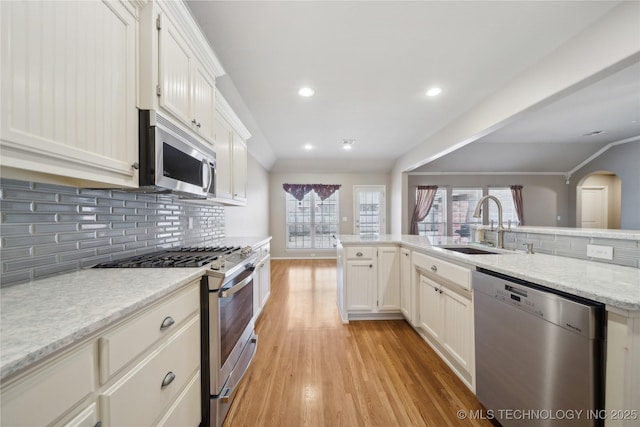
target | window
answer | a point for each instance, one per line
(435, 223)
(508, 208)
(311, 223)
(463, 203)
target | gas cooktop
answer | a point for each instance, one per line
(179, 257)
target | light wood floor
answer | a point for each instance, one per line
(312, 370)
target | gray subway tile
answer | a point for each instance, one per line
(72, 237)
(54, 249)
(29, 263)
(111, 249)
(84, 244)
(113, 218)
(123, 225)
(95, 209)
(123, 239)
(12, 229)
(20, 206)
(90, 262)
(24, 218)
(15, 277)
(135, 245)
(84, 200)
(109, 233)
(92, 192)
(55, 227)
(54, 207)
(50, 270)
(16, 253)
(93, 226)
(17, 241)
(15, 194)
(110, 202)
(75, 217)
(77, 255)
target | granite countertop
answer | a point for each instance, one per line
(614, 285)
(43, 316)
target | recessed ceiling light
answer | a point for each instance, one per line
(306, 92)
(308, 147)
(347, 144)
(434, 91)
(597, 132)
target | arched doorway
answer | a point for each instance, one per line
(599, 200)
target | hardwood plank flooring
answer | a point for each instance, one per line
(312, 370)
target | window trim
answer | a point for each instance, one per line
(314, 200)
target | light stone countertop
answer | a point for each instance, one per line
(570, 231)
(614, 285)
(43, 316)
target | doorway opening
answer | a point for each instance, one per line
(599, 201)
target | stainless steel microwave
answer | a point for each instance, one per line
(171, 160)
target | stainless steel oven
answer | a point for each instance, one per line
(228, 339)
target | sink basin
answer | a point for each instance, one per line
(469, 250)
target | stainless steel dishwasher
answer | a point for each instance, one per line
(539, 353)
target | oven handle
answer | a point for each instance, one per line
(227, 292)
(228, 393)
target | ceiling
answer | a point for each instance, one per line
(370, 64)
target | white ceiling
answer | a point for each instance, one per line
(370, 63)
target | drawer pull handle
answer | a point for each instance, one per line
(98, 424)
(359, 254)
(168, 379)
(434, 268)
(168, 321)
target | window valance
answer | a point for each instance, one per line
(300, 190)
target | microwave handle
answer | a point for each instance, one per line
(205, 165)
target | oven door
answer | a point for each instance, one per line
(231, 327)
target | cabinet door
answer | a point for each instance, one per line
(239, 158)
(69, 85)
(265, 280)
(204, 104)
(223, 135)
(430, 307)
(176, 67)
(457, 335)
(87, 418)
(361, 285)
(388, 279)
(406, 286)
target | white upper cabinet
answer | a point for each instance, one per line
(230, 137)
(177, 68)
(69, 85)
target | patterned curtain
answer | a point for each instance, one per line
(323, 191)
(425, 195)
(516, 193)
(300, 190)
(297, 190)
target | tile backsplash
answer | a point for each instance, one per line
(625, 252)
(50, 229)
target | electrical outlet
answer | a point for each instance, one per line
(602, 252)
(190, 223)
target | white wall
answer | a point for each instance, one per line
(251, 220)
(607, 44)
(345, 205)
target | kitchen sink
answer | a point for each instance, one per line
(469, 250)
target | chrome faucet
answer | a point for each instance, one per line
(501, 229)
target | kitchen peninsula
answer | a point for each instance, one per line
(418, 261)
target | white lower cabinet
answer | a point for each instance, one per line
(48, 393)
(371, 285)
(407, 287)
(446, 323)
(262, 279)
(144, 370)
(150, 387)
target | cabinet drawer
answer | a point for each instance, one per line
(264, 251)
(45, 395)
(360, 252)
(123, 344)
(139, 397)
(435, 267)
(187, 407)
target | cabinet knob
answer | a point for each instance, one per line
(440, 290)
(359, 254)
(168, 321)
(434, 268)
(370, 265)
(198, 126)
(193, 122)
(98, 424)
(168, 379)
(136, 165)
